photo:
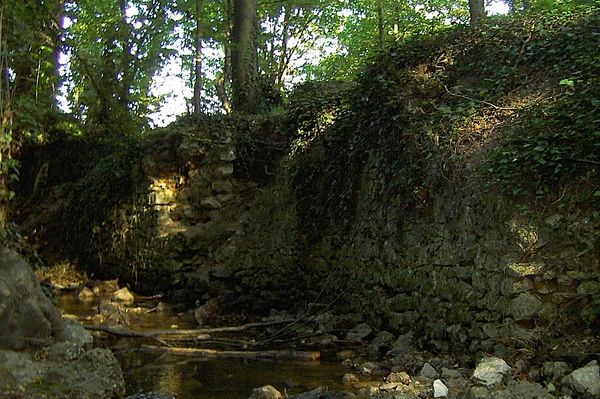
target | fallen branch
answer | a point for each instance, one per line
(481, 101)
(119, 332)
(129, 333)
(585, 161)
(199, 331)
(524, 46)
(213, 354)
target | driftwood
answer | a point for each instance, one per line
(213, 354)
(191, 334)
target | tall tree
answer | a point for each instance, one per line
(116, 48)
(244, 58)
(197, 100)
(29, 42)
(223, 77)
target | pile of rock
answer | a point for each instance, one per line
(399, 371)
(493, 378)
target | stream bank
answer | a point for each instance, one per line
(364, 364)
(374, 366)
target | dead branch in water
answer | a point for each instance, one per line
(213, 354)
(192, 333)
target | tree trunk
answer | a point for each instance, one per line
(380, 24)
(476, 10)
(283, 59)
(244, 58)
(127, 57)
(198, 61)
(224, 77)
(397, 13)
(58, 19)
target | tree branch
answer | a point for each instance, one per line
(480, 101)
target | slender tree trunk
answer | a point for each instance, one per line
(127, 57)
(397, 12)
(58, 19)
(198, 61)
(476, 10)
(225, 76)
(222, 79)
(244, 57)
(380, 24)
(283, 59)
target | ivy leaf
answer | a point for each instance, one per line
(567, 82)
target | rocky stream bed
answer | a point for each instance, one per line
(139, 340)
(343, 363)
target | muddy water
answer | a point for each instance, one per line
(189, 377)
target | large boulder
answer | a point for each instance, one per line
(91, 374)
(42, 355)
(27, 316)
(585, 381)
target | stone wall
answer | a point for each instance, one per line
(179, 228)
(472, 269)
(465, 267)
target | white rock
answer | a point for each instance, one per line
(123, 295)
(439, 389)
(491, 371)
(266, 392)
(585, 380)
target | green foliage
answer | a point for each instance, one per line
(556, 141)
(314, 106)
(431, 108)
(28, 45)
(358, 36)
(260, 144)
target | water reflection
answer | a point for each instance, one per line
(222, 378)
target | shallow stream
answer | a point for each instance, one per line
(187, 377)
